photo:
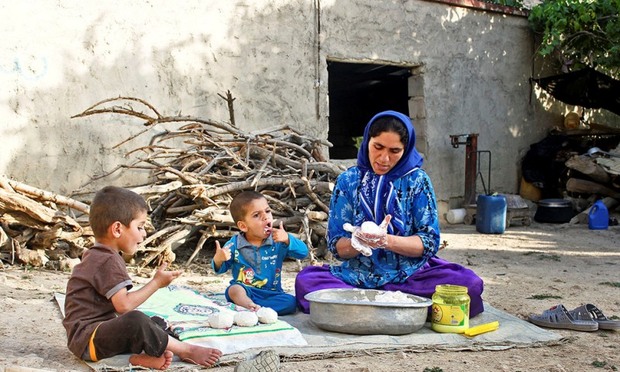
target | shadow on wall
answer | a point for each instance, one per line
(62, 154)
(266, 55)
(180, 74)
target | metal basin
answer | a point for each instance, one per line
(357, 311)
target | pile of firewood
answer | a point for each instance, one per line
(195, 170)
(597, 176)
(35, 229)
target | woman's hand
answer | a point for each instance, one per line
(369, 236)
(373, 235)
(355, 242)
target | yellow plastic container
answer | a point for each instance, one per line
(450, 309)
(529, 191)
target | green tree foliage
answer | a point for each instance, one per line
(518, 4)
(581, 32)
(512, 3)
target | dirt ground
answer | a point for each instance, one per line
(526, 270)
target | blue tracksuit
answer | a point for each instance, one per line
(259, 270)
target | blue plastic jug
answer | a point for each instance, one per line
(491, 214)
(598, 218)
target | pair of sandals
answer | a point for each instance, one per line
(585, 318)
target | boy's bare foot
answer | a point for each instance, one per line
(203, 356)
(161, 362)
(239, 296)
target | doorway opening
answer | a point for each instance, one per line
(357, 91)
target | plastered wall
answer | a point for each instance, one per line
(59, 58)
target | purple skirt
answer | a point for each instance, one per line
(435, 272)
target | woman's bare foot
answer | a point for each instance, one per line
(203, 356)
(161, 362)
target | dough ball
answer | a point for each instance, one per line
(267, 315)
(246, 319)
(221, 320)
(371, 228)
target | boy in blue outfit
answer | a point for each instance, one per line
(255, 256)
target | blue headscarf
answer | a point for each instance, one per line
(377, 192)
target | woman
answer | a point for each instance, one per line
(389, 188)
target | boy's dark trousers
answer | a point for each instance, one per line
(133, 332)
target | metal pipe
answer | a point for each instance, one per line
(471, 168)
(471, 163)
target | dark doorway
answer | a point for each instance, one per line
(357, 91)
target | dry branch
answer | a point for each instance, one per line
(590, 187)
(30, 213)
(588, 166)
(43, 195)
(31, 231)
(200, 165)
(196, 168)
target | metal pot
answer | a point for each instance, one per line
(358, 311)
(554, 211)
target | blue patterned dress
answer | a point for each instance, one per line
(406, 193)
(414, 209)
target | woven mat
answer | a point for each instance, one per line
(512, 333)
